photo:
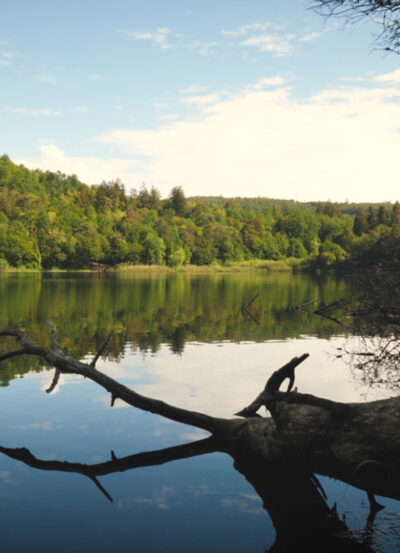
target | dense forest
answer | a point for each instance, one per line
(52, 220)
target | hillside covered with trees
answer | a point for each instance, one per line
(51, 220)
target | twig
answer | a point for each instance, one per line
(329, 306)
(246, 308)
(102, 348)
(54, 383)
(101, 488)
(300, 306)
(54, 337)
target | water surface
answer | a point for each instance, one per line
(188, 341)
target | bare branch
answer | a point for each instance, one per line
(101, 488)
(68, 364)
(273, 384)
(144, 459)
(385, 13)
(102, 348)
(246, 308)
(13, 354)
(300, 306)
(54, 337)
(54, 382)
(329, 306)
(247, 305)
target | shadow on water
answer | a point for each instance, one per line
(292, 495)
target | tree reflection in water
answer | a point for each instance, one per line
(292, 495)
(279, 456)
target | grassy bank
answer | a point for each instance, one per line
(259, 265)
(287, 265)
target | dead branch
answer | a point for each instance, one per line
(68, 364)
(145, 459)
(273, 384)
(54, 382)
(247, 305)
(246, 309)
(101, 349)
(54, 337)
(300, 306)
(329, 306)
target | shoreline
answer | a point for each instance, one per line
(267, 266)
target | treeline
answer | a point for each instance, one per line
(50, 220)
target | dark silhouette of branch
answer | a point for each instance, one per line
(101, 349)
(145, 459)
(246, 309)
(54, 382)
(273, 384)
(55, 338)
(68, 364)
(385, 13)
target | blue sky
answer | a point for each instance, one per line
(238, 98)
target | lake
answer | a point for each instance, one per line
(188, 341)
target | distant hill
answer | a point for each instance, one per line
(52, 220)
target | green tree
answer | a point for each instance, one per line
(178, 200)
(360, 223)
(154, 249)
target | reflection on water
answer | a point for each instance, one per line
(187, 341)
(146, 312)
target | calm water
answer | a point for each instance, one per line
(187, 341)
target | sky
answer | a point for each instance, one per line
(222, 97)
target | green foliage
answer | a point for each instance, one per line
(52, 220)
(178, 200)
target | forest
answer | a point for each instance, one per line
(53, 221)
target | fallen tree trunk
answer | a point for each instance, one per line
(356, 443)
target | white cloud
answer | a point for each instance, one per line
(193, 89)
(6, 57)
(82, 109)
(91, 170)
(339, 144)
(169, 117)
(309, 37)
(268, 37)
(269, 81)
(244, 30)
(46, 78)
(37, 112)
(202, 47)
(195, 381)
(393, 77)
(202, 99)
(280, 45)
(159, 36)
